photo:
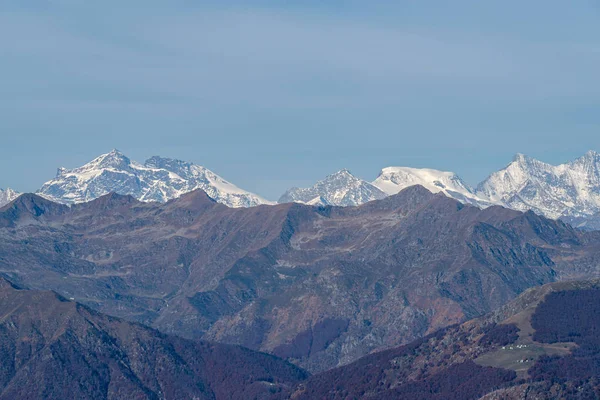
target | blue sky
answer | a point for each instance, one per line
(277, 94)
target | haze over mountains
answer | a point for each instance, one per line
(312, 284)
(569, 191)
(321, 286)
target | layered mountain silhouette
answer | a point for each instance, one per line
(569, 191)
(542, 345)
(321, 286)
(53, 348)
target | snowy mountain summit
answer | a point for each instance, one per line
(340, 189)
(8, 195)
(158, 179)
(570, 190)
(392, 180)
(344, 189)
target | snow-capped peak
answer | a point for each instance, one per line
(520, 157)
(8, 195)
(593, 154)
(115, 159)
(570, 189)
(340, 188)
(392, 180)
(159, 179)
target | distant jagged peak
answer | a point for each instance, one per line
(113, 159)
(524, 161)
(158, 179)
(8, 195)
(591, 159)
(591, 154)
(344, 172)
(571, 189)
(341, 188)
(521, 158)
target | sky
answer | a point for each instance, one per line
(275, 94)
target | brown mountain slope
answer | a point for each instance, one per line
(52, 348)
(542, 345)
(322, 286)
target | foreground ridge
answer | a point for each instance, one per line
(53, 348)
(321, 286)
(542, 345)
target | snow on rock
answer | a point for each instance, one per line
(8, 195)
(340, 189)
(567, 190)
(158, 179)
(392, 180)
(318, 201)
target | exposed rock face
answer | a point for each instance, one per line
(321, 285)
(339, 189)
(158, 179)
(566, 190)
(52, 348)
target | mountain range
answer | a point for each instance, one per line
(542, 345)
(54, 348)
(319, 286)
(158, 179)
(568, 191)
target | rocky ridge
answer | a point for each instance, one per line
(158, 179)
(318, 285)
